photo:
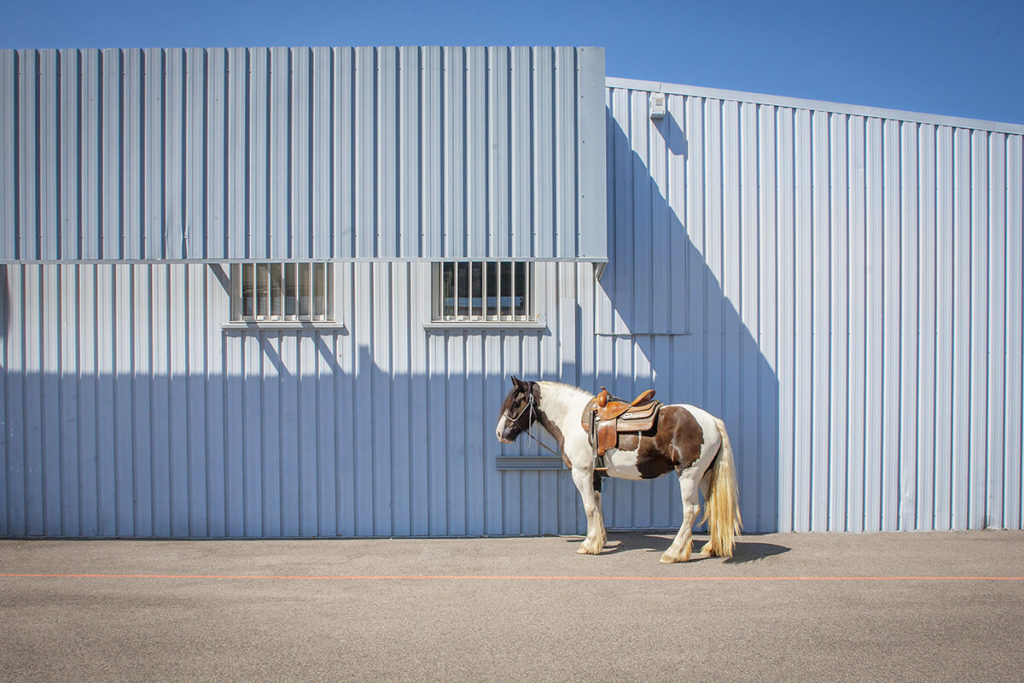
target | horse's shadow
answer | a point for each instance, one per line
(747, 549)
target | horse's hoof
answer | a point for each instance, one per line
(669, 559)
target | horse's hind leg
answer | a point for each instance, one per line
(679, 551)
(705, 491)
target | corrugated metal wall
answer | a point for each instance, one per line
(853, 286)
(128, 411)
(202, 154)
(844, 289)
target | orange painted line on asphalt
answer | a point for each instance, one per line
(455, 577)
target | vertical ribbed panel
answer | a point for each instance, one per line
(127, 410)
(844, 290)
(279, 153)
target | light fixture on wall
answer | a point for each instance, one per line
(658, 105)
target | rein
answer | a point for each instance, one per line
(530, 404)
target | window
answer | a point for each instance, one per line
(480, 291)
(282, 292)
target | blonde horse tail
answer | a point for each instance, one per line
(722, 507)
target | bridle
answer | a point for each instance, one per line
(530, 402)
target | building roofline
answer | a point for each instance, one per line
(817, 105)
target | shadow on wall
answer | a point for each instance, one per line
(688, 338)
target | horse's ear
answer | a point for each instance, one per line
(518, 382)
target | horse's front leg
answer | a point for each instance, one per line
(594, 542)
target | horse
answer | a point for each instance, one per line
(685, 439)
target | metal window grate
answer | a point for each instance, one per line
(282, 292)
(483, 291)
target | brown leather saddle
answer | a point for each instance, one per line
(606, 417)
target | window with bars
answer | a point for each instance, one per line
(482, 291)
(282, 292)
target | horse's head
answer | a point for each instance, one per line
(517, 410)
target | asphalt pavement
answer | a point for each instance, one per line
(892, 606)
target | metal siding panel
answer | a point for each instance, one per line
(418, 397)
(996, 347)
(1014, 390)
(15, 519)
(142, 413)
(453, 243)
(218, 243)
(289, 441)
(196, 382)
(236, 156)
(591, 219)
(301, 154)
(342, 150)
(88, 414)
(175, 215)
(27, 231)
(569, 143)
(178, 402)
(820, 276)
(49, 372)
(521, 156)
(380, 387)
(71, 398)
(402, 325)
(364, 445)
(961, 369)
(979, 285)
(365, 161)
(106, 397)
(803, 406)
(213, 302)
(387, 153)
(787, 294)
(48, 150)
(431, 222)
(259, 171)
(131, 227)
(69, 245)
(9, 162)
(410, 153)
(641, 239)
(499, 239)
(877, 348)
(196, 144)
(857, 392)
(321, 145)
(927, 359)
(111, 217)
(545, 128)
(890, 331)
(838, 321)
(152, 152)
(120, 304)
(910, 296)
(765, 452)
(253, 437)
(437, 477)
(279, 154)
(944, 293)
(749, 360)
(345, 408)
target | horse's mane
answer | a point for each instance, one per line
(581, 392)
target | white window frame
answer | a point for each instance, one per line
(476, 295)
(282, 294)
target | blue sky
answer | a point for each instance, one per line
(938, 56)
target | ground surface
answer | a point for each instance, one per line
(787, 607)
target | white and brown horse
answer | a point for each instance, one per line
(686, 439)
